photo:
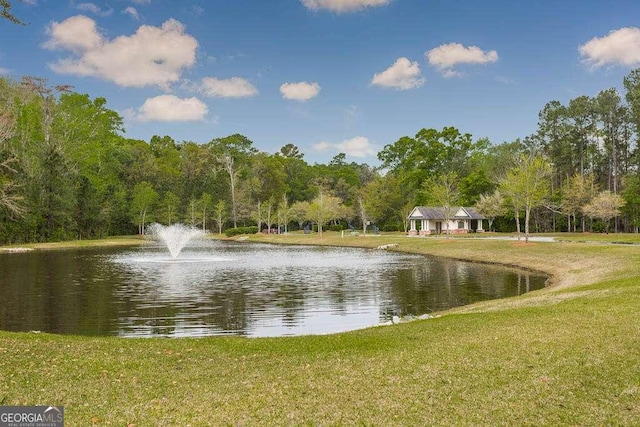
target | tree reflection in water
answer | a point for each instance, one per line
(241, 289)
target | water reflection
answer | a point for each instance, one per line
(240, 289)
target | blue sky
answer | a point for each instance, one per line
(329, 76)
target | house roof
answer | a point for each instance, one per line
(438, 213)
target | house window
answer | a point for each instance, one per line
(460, 224)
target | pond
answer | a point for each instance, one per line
(229, 288)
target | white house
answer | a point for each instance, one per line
(427, 220)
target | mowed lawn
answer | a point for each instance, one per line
(565, 355)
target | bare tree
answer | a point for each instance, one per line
(228, 164)
(10, 200)
(362, 211)
(7, 130)
(445, 192)
(7, 125)
(404, 213)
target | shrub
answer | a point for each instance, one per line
(241, 230)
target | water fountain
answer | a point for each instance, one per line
(220, 287)
(175, 236)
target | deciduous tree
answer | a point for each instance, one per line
(324, 208)
(527, 185)
(491, 206)
(299, 212)
(204, 203)
(631, 196)
(291, 151)
(142, 200)
(444, 192)
(384, 198)
(429, 154)
(6, 13)
(577, 192)
(220, 213)
(10, 200)
(605, 205)
(170, 206)
(232, 154)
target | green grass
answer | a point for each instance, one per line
(621, 238)
(565, 355)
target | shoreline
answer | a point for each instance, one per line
(562, 355)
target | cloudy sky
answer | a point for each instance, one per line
(329, 76)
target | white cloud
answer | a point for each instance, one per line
(301, 91)
(4, 71)
(403, 74)
(197, 10)
(131, 11)
(446, 56)
(619, 47)
(234, 87)
(352, 112)
(450, 73)
(505, 80)
(170, 108)
(90, 7)
(77, 33)
(356, 147)
(341, 6)
(151, 56)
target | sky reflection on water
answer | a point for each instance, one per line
(221, 288)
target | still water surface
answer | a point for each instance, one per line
(236, 288)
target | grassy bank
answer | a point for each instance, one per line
(568, 354)
(111, 241)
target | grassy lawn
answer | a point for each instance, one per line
(627, 238)
(565, 355)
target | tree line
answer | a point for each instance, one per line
(68, 172)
